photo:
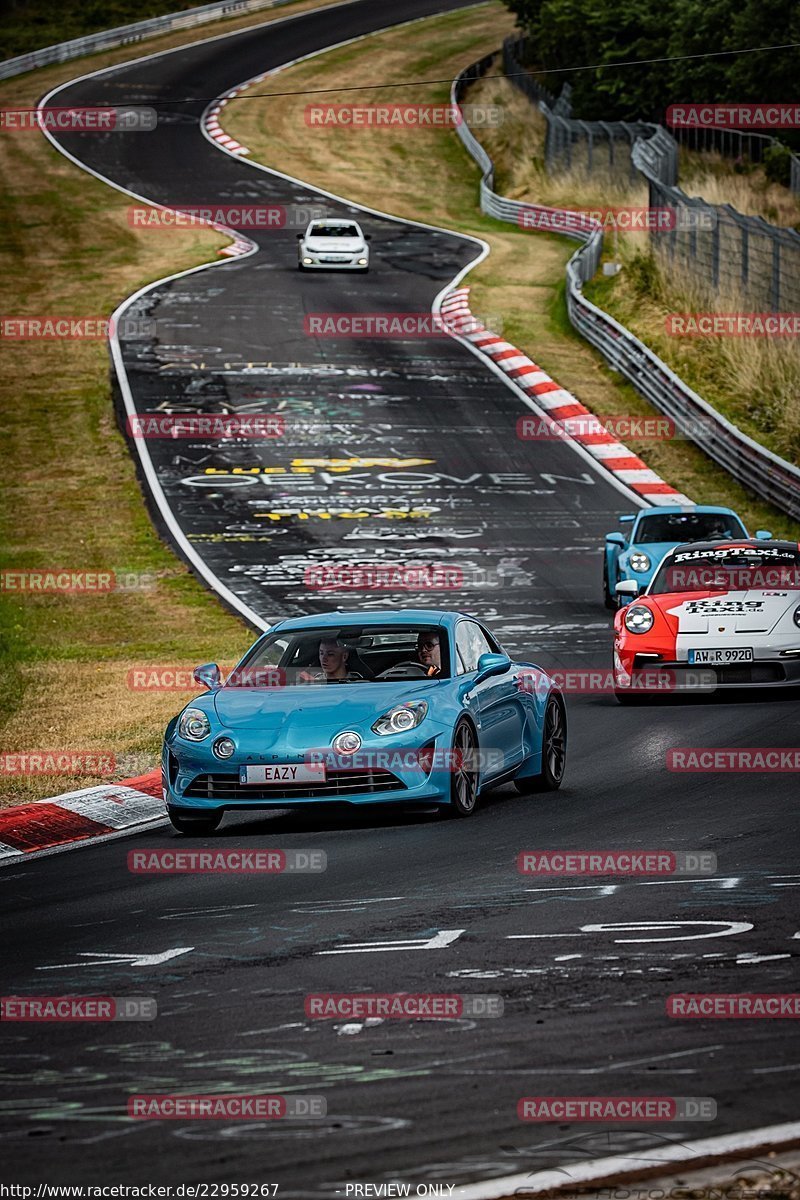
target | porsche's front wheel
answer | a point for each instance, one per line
(464, 782)
(199, 826)
(609, 599)
(554, 751)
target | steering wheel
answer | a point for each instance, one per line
(403, 670)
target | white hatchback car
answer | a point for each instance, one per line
(334, 243)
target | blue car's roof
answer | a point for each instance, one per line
(686, 508)
(405, 616)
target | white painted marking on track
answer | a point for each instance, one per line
(105, 959)
(445, 937)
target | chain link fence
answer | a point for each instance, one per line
(721, 251)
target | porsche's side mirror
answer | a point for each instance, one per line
(763, 535)
(208, 674)
(615, 539)
(627, 587)
(300, 236)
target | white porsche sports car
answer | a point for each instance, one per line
(333, 243)
(731, 608)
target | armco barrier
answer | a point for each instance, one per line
(771, 477)
(124, 35)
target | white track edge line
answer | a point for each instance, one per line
(684, 1153)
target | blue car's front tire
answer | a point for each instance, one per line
(194, 825)
(609, 597)
(465, 771)
(554, 751)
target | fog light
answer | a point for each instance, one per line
(347, 742)
(223, 747)
(362, 262)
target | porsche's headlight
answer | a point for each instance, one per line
(638, 618)
(401, 718)
(194, 725)
(796, 616)
(639, 562)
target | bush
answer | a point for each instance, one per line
(778, 164)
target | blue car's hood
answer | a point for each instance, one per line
(317, 709)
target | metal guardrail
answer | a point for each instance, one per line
(124, 35)
(769, 476)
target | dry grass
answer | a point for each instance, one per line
(729, 372)
(71, 496)
(750, 192)
(523, 278)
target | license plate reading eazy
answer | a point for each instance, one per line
(730, 654)
(282, 773)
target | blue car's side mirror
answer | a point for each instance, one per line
(628, 517)
(763, 535)
(492, 664)
(615, 539)
(208, 675)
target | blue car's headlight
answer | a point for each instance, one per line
(194, 725)
(639, 561)
(401, 718)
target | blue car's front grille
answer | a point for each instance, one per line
(338, 783)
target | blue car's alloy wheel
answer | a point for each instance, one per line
(464, 784)
(554, 751)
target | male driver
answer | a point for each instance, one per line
(333, 656)
(429, 652)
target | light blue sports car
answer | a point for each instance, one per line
(421, 707)
(655, 532)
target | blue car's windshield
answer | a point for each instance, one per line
(347, 654)
(687, 527)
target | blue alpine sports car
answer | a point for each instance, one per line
(656, 531)
(416, 707)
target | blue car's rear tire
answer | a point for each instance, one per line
(464, 782)
(194, 826)
(554, 751)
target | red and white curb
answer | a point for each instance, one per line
(215, 130)
(90, 814)
(559, 404)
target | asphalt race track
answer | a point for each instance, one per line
(235, 955)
